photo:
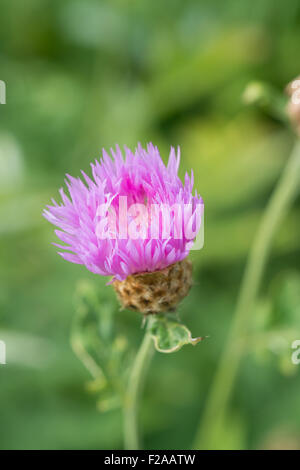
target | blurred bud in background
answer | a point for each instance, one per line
(293, 108)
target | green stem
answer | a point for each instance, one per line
(283, 196)
(134, 390)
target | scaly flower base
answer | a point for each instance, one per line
(158, 291)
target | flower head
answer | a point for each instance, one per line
(134, 216)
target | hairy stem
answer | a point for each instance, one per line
(284, 194)
(134, 390)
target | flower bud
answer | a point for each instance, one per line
(293, 107)
(158, 291)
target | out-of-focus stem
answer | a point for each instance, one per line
(284, 194)
(134, 390)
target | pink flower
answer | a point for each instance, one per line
(110, 243)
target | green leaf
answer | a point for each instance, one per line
(169, 335)
(276, 320)
(286, 303)
(95, 341)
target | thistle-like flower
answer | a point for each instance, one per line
(135, 217)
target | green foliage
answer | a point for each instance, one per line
(101, 349)
(82, 75)
(169, 335)
(276, 322)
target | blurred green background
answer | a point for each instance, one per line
(87, 74)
